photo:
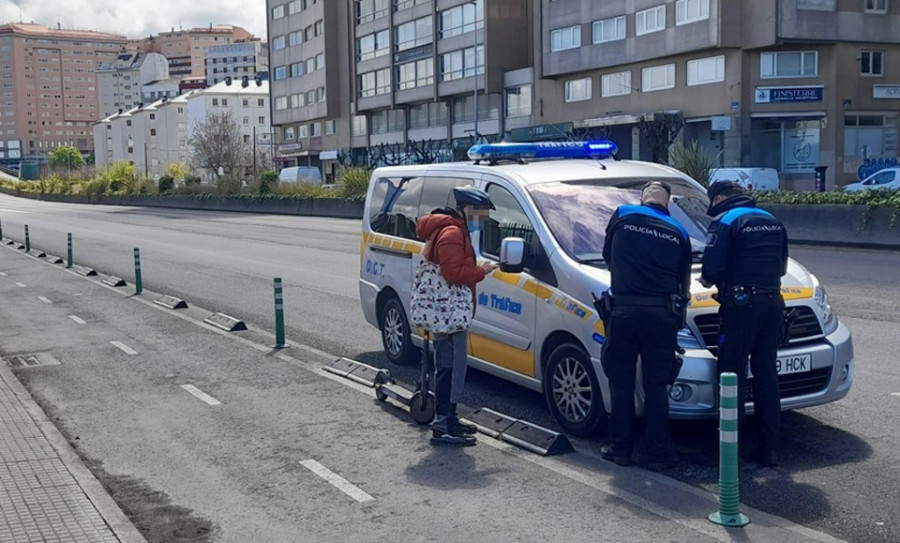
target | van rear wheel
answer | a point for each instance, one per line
(573, 391)
(395, 334)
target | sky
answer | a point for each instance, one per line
(137, 18)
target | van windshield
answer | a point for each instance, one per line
(578, 212)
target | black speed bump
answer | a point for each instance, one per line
(114, 281)
(226, 322)
(37, 253)
(358, 372)
(10, 242)
(536, 439)
(54, 259)
(489, 421)
(171, 302)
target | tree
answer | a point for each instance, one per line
(218, 146)
(660, 134)
(66, 158)
(176, 170)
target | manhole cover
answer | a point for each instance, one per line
(30, 360)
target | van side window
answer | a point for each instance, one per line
(394, 206)
(438, 193)
(507, 221)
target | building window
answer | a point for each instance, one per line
(245, 102)
(315, 130)
(310, 65)
(277, 12)
(373, 45)
(461, 19)
(281, 103)
(152, 132)
(224, 102)
(302, 131)
(319, 28)
(215, 102)
(431, 115)
(463, 63)
(578, 90)
(359, 126)
(789, 145)
(691, 11)
(246, 138)
(706, 70)
(261, 121)
(489, 108)
(369, 10)
(329, 128)
(375, 83)
(789, 64)
(609, 30)
(245, 121)
(518, 101)
(280, 73)
(562, 39)
(295, 38)
(413, 34)
(320, 92)
(415, 74)
(658, 78)
(869, 136)
(261, 102)
(617, 84)
(278, 43)
(289, 133)
(876, 6)
(298, 100)
(297, 69)
(872, 63)
(650, 20)
(320, 61)
(310, 97)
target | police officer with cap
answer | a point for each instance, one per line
(649, 258)
(745, 257)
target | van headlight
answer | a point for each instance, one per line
(829, 321)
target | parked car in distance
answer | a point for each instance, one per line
(301, 174)
(889, 178)
(749, 178)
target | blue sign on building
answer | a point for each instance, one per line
(774, 95)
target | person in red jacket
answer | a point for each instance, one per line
(449, 245)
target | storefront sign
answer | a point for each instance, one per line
(774, 95)
(800, 147)
(290, 148)
(816, 5)
(328, 155)
(886, 92)
(541, 132)
(721, 124)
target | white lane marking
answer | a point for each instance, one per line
(201, 395)
(337, 481)
(77, 319)
(45, 300)
(2, 274)
(897, 394)
(125, 348)
(22, 285)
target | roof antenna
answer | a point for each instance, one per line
(58, 24)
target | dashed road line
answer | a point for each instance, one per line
(2, 274)
(21, 285)
(201, 395)
(77, 319)
(45, 300)
(897, 394)
(337, 481)
(125, 348)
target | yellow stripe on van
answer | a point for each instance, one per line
(533, 287)
(508, 278)
(397, 244)
(796, 293)
(502, 355)
(600, 328)
(705, 299)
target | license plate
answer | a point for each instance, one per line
(797, 363)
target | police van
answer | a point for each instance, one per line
(535, 323)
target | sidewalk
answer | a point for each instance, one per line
(46, 492)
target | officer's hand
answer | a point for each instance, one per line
(706, 283)
(488, 267)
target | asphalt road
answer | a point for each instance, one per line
(840, 463)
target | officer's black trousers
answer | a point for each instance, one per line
(650, 332)
(753, 330)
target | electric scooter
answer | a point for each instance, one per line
(421, 401)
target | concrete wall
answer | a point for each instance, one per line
(854, 226)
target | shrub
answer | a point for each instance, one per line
(871, 198)
(166, 184)
(267, 181)
(304, 190)
(66, 157)
(229, 185)
(692, 161)
(97, 186)
(191, 180)
(354, 183)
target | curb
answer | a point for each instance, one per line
(123, 528)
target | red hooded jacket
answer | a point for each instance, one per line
(449, 246)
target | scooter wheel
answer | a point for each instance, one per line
(380, 395)
(422, 408)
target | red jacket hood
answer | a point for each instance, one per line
(429, 224)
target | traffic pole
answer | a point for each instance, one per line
(69, 262)
(1, 229)
(27, 240)
(729, 513)
(279, 315)
(138, 284)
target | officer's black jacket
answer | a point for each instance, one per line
(745, 246)
(648, 252)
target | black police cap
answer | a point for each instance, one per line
(723, 187)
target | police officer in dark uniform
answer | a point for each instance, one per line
(649, 258)
(746, 255)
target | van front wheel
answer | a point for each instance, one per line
(395, 333)
(573, 391)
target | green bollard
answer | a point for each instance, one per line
(279, 315)
(1, 229)
(27, 240)
(729, 513)
(69, 262)
(138, 284)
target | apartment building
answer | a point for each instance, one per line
(245, 99)
(786, 84)
(48, 88)
(186, 48)
(250, 58)
(121, 81)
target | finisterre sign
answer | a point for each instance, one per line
(886, 92)
(773, 95)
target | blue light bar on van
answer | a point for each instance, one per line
(564, 149)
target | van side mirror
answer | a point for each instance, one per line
(512, 255)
